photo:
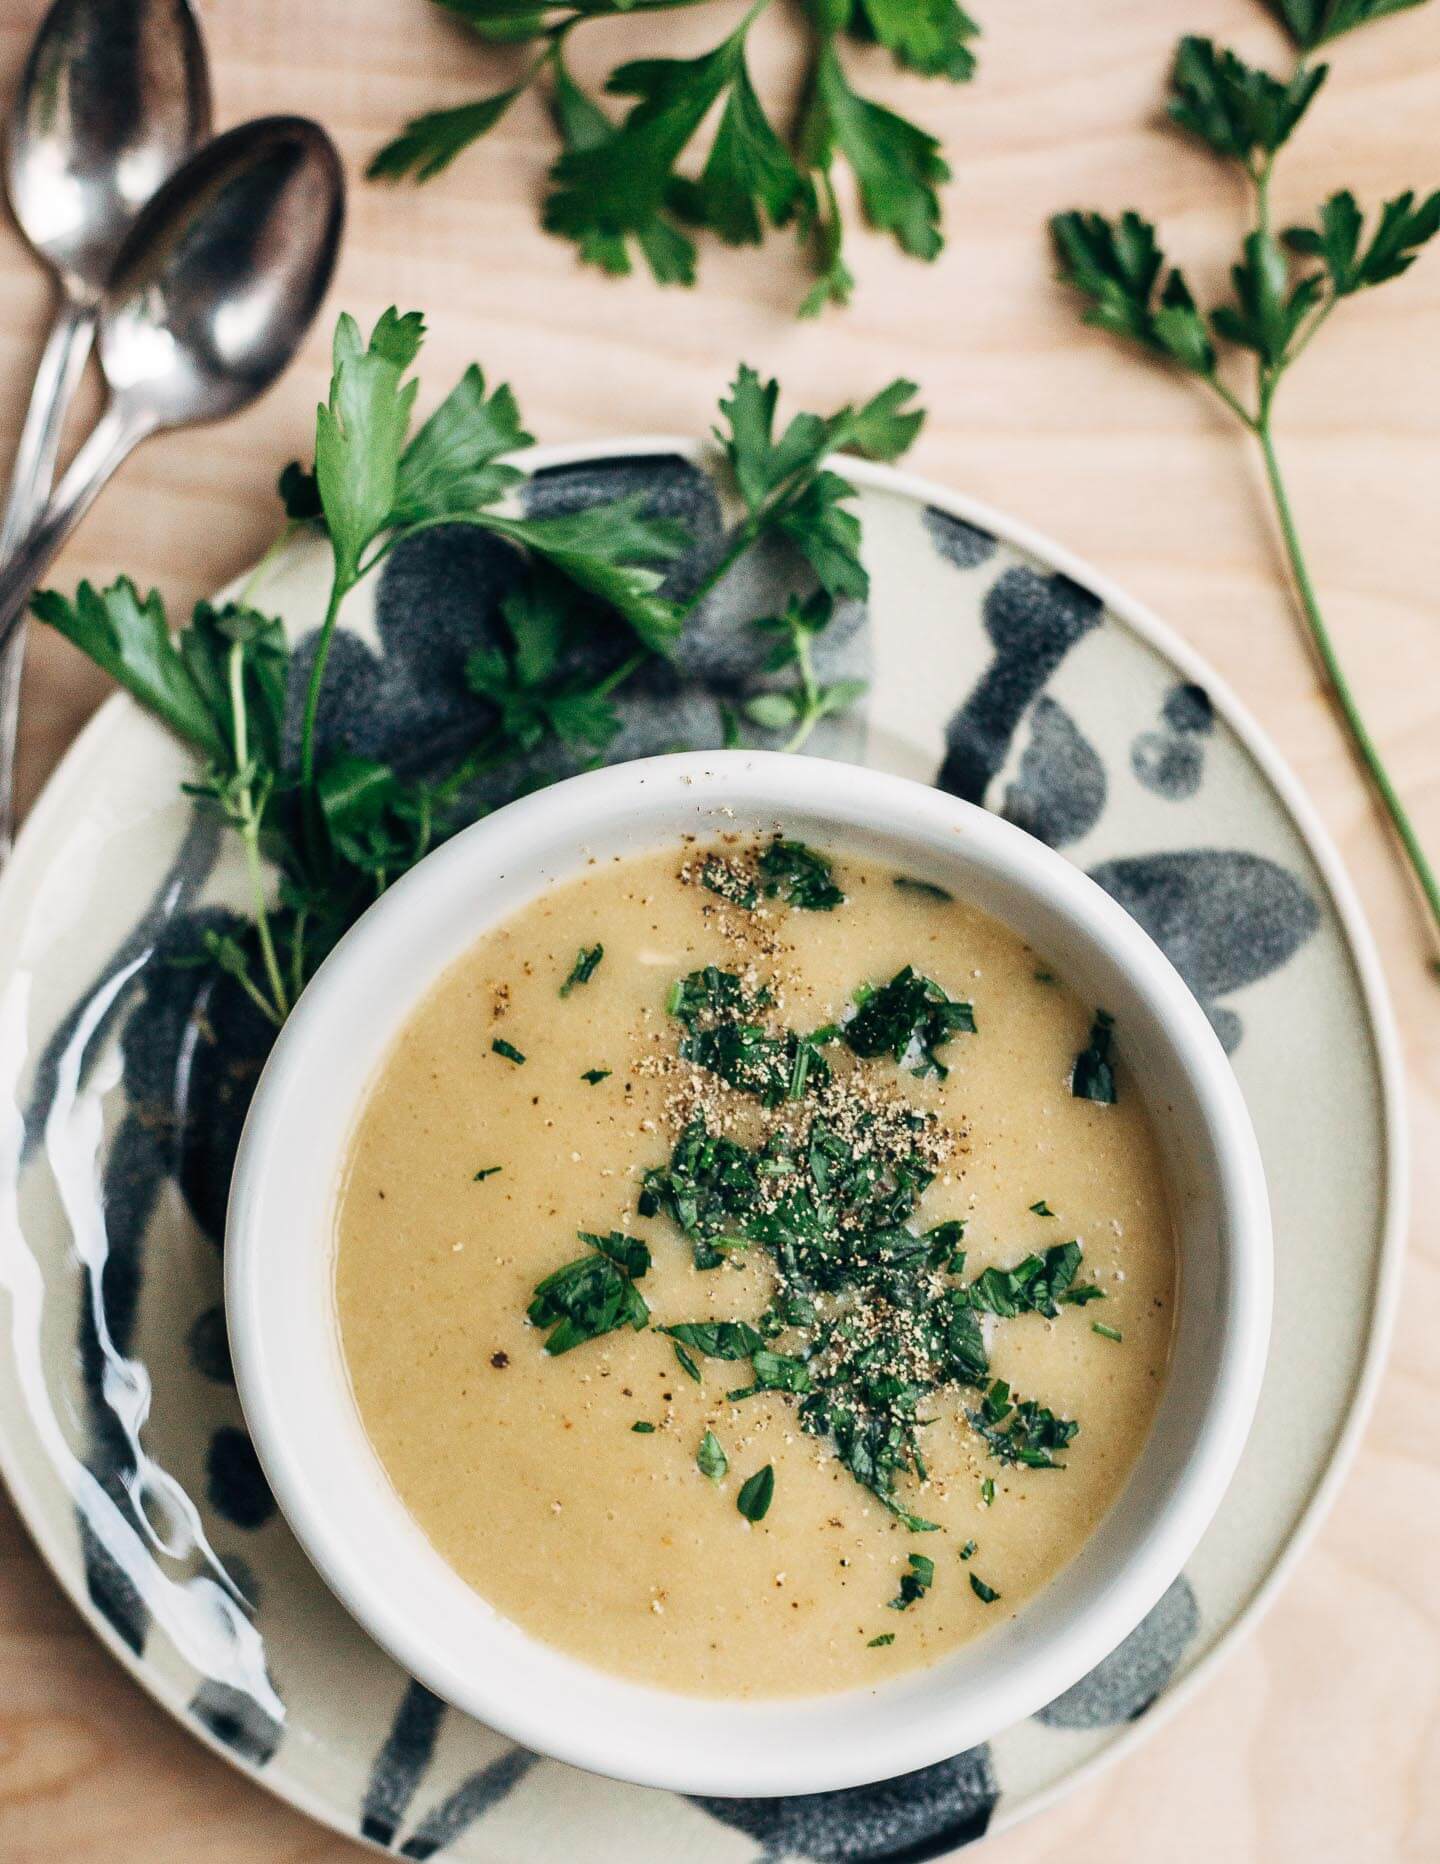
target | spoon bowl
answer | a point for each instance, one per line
(222, 274)
(113, 99)
(213, 292)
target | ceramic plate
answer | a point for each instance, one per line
(998, 669)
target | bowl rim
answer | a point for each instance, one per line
(802, 787)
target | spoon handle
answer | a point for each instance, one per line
(56, 379)
(114, 437)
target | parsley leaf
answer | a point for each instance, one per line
(508, 1049)
(587, 962)
(128, 637)
(1093, 1076)
(910, 1014)
(429, 143)
(612, 552)
(932, 37)
(914, 1584)
(594, 1295)
(799, 875)
(756, 1494)
(1026, 1432)
(710, 1458)
(987, 1595)
(717, 1339)
(785, 487)
(669, 253)
(897, 165)
(1238, 109)
(1313, 23)
(1035, 1286)
(360, 432)
(1350, 266)
(1116, 266)
(451, 465)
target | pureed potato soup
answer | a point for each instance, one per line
(754, 1269)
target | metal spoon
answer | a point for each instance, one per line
(210, 298)
(114, 97)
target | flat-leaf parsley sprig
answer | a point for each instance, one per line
(325, 830)
(1285, 287)
(620, 184)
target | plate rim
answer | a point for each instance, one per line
(1393, 1226)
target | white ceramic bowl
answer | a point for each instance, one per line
(330, 1484)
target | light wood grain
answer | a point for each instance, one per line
(1321, 1737)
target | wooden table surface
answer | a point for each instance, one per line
(1320, 1738)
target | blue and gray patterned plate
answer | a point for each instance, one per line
(999, 670)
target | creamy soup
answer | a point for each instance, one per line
(886, 1181)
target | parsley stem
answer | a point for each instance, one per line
(297, 950)
(308, 800)
(1364, 744)
(250, 831)
(743, 537)
(810, 699)
(270, 555)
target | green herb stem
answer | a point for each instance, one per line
(249, 826)
(743, 537)
(1364, 744)
(338, 590)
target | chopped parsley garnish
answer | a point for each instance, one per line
(987, 1595)
(1093, 1076)
(721, 1036)
(711, 995)
(717, 1339)
(1038, 1285)
(596, 1075)
(774, 1372)
(877, 1643)
(756, 1494)
(594, 1295)
(968, 1549)
(710, 1458)
(1106, 1333)
(915, 1584)
(1021, 1432)
(508, 1049)
(642, 1429)
(587, 961)
(871, 1318)
(771, 1067)
(800, 876)
(912, 1017)
(926, 888)
(485, 1172)
(730, 881)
